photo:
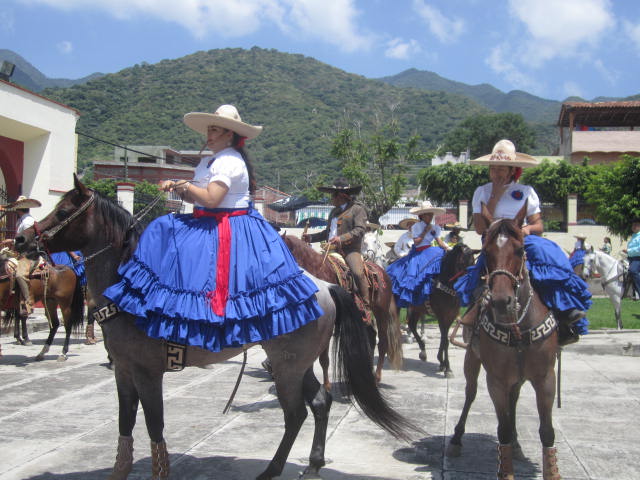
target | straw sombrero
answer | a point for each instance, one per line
(23, 202)
(426, 207)
(406, 222)
(341, 185)
(390, 244)
(504, 153)
(226, 116)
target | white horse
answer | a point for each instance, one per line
(612, 273)
(373, 249)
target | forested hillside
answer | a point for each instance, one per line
(300, 102)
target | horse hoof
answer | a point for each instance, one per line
(423, 355)
(448, 374)
(28, 343)
(39, 358)
(62, 358)
(453, 451)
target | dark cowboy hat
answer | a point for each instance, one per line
(341, 185)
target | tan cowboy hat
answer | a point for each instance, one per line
(226, 116)
(426, 207)
(23, 202)
(341, 185)
(407, 222)
(372, 227)
(390, 244)
(504, 153)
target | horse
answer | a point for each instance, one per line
(86, 221)
(373, 250)
(612, 278)
(54, 286)
(515, 339)
(382, 304)
(444, 303)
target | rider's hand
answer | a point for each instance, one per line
(306, 238)
(167, 185)
(335, 241)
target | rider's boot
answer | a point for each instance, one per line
(567, 319)
(90, 335)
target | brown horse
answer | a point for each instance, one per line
(383, 304)
(444, 303)
(515, 340)
(54, 287)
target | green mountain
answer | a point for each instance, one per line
(27, 76)
(533, 109)
(302, 104)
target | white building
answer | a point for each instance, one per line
(38, 146)
(450, 158)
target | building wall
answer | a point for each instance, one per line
(46, 130)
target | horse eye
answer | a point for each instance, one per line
(62, 214)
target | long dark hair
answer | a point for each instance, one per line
(238, 144)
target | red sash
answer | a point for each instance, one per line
(218, 297)
(424, 247)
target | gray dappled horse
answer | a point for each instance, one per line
(84, 220)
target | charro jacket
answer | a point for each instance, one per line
(352, 225)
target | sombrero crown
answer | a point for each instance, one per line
(426, 207)
(226, 116)
(504, 153)
(341, 185)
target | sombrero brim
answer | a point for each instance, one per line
(348, 191)
(420, 211)
(200, 122)
(405, 222)
(522, 160)
(26, 203)
(390, 244)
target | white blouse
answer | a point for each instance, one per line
(228, 167)
(511, 201)
(433, 232)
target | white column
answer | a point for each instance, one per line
(125, 195)
(463, 213)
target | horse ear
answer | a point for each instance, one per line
(80, 186)
(486, 214)
(521, 215)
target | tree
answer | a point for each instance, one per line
(615, 191)
(378, 163)
(479, 133)
(554, 181)
(451, 183)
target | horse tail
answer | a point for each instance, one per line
(77, 308)
(354, 368)
(394, 337)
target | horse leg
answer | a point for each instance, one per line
(319, 400)
(51, 313)
(128, 401)
(25, 331)
(17, 318)
(471, 371)
(289, 386)
(324, 363)
(383, 345)
(513, 403)
(501, 395)
(412, 322)
(443, 350)
(545, 389)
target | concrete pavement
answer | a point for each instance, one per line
(58, 420)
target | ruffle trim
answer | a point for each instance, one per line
(411, 277)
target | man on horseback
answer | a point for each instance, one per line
(633, 253)
(552, 275)
(346, 227)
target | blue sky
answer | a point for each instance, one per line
(550, 48)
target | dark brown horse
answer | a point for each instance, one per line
(54, 287)
(84, 220)
(515, 340)
(382, 304)
(444, 303)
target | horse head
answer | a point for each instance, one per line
(455, 263)
(589, 265)
(372, 249)
(504, 252)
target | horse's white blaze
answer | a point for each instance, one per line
(501, 241)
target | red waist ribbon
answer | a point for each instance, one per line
(221, 293)
(424, 247)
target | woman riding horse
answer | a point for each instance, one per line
(559, 287)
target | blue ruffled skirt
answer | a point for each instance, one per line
(168, 282)
(577, 258)
(63, 258)
(412, 275)
(551, 276)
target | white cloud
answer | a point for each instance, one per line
(7, 22)
(572, 89)
(562, 29)
(515, 76)
(331, 21)
(633, 32)
(65, 47)
(401, 50)
(446, 30)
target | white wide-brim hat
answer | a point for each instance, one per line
(226, 116)
(23, 202)
(504, 153)
(426, 207)
(407, 222)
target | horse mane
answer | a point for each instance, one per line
(503, 226)
(305, 255)
(121, 229)
(450, 261)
